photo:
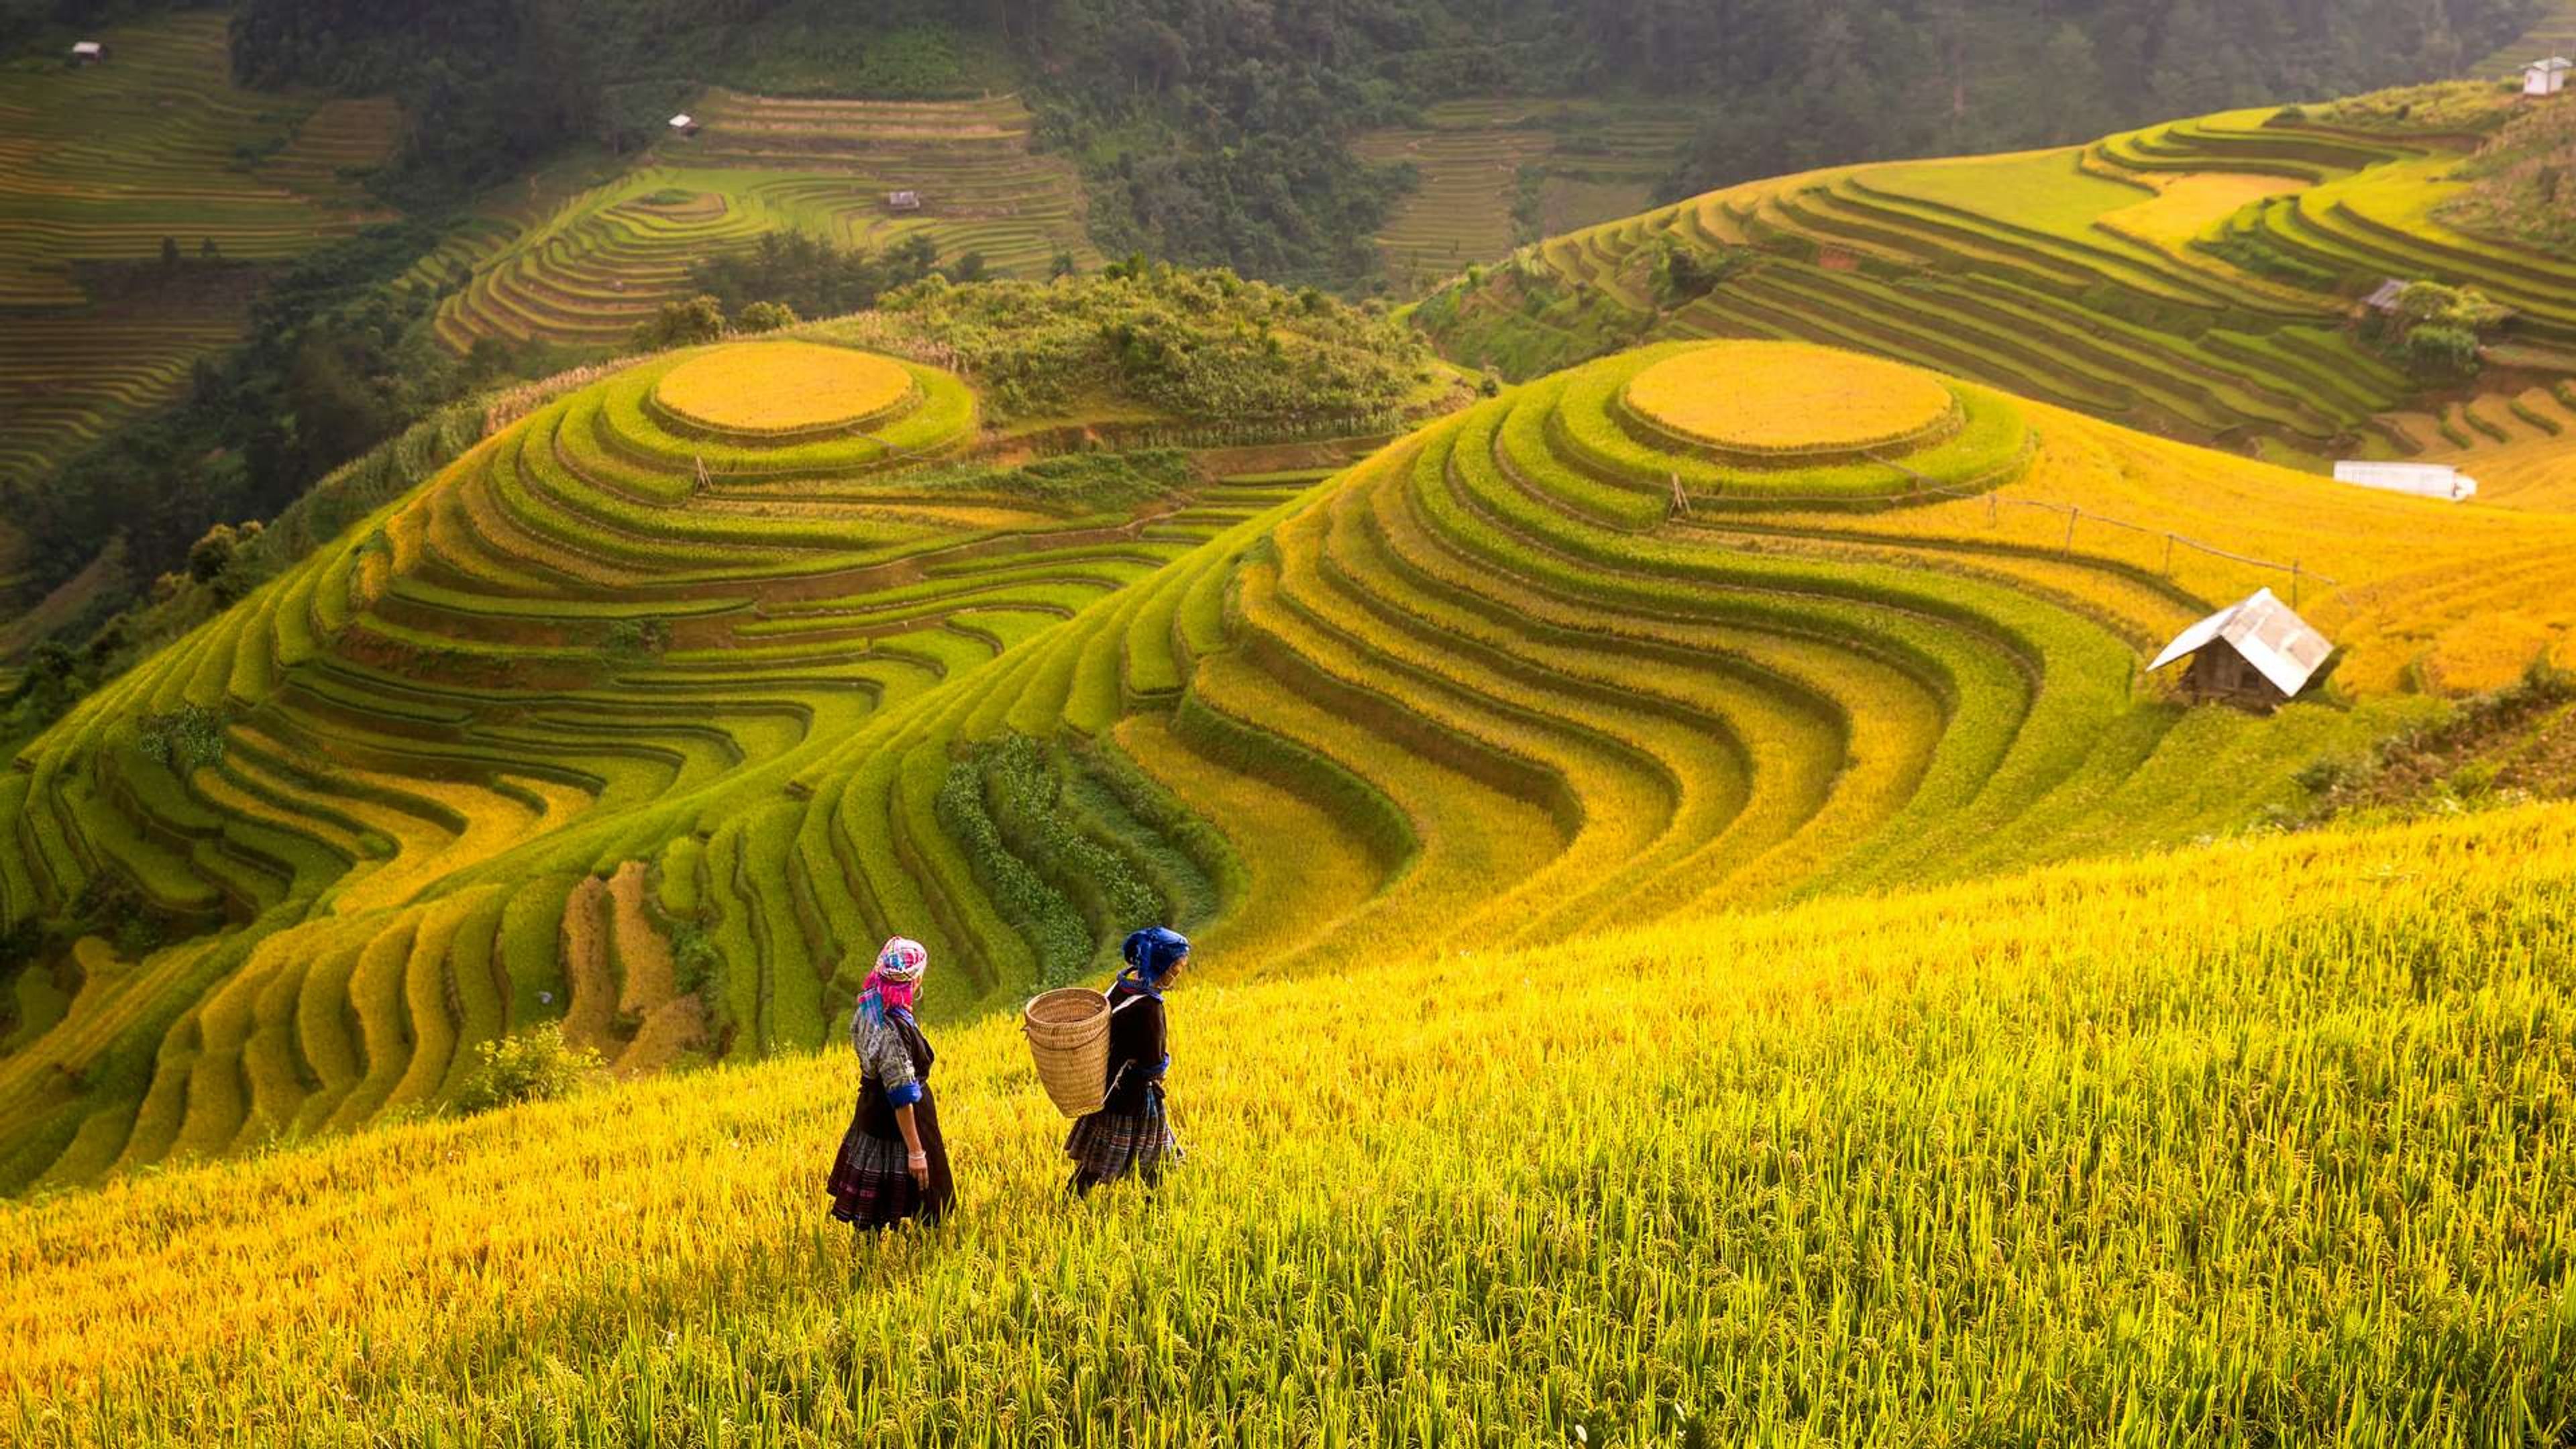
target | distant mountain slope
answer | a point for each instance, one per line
(584, 273)
(101, 168)
(1492, 173)
(2196, 279)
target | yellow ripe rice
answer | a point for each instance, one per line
(769, 387)
(1783, 396)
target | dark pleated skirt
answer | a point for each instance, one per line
(869, 1185)
(1106, 1146)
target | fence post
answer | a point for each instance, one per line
(1994, 511)
(2294, 583)
(2168, 555)
(2072, 514)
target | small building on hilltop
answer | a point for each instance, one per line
(2424, 480)
(2256, 654)
(88, 52)
(684, 125)
(903, 201)
(2383, 298)
(2546, 77)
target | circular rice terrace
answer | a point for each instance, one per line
(782, 389)
(1738, 424)
(1790, 402)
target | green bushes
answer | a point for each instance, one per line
(533, 1066)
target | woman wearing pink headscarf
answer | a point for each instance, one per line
(892, 1164)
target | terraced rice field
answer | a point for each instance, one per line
(2103, 278)
(2521, 447)
(615, 633)
(2553, 34)
(1582, 162)
(663, 665)
(99, 165)
(583, 269)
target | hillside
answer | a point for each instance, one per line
(1492, 173)
(2287, 1162)
(2195, 279)
(584, 272)
(100, 168)
(581, 731)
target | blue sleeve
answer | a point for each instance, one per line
(905, 1094)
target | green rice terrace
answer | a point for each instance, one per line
(99, 167)
(2198, 280)
(1492, 174)
(668, 698)
(582, 270)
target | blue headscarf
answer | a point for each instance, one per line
(1151, 954)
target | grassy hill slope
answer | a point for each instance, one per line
(2255, 1143)
(2193, 279)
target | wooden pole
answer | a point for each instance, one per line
(2168, 555)
(2072, 514)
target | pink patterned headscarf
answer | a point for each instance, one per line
(897, 977)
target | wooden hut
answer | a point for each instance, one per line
(903, 201)
(89, 52)
(2546, 77)
(684, 125)
(2383, 298)
(2256, 654)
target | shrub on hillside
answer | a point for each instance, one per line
(766, 317)
(681, 324)
(1200, 344)
(534, 1066)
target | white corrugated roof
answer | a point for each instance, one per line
(683, 119)
(87, 47)
(2277, 642)
(2555, 62)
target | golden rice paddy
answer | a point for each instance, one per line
(1772, 397)
(770, 387)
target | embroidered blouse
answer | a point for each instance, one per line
(883, 1055)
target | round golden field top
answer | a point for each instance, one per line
(773, 387)
(1787, 396)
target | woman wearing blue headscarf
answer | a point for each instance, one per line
(1129, 1134)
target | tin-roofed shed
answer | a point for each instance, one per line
(2257, 653)
(684, 124)
(88, 52)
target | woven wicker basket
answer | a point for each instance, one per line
(1068, 1031)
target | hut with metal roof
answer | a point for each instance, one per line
(2546, 77)
(684, 125)
(88, 52)
(2256, 653)
(903, 201)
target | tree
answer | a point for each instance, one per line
(766, 317)
(169, 251)
(682, 324)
